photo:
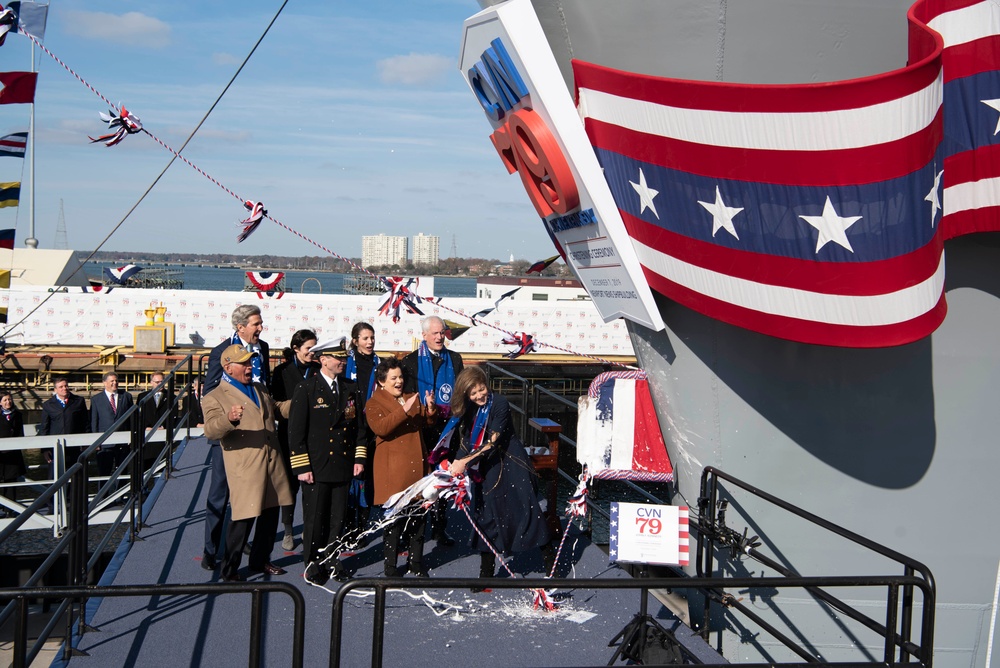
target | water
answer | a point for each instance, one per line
(230, 279)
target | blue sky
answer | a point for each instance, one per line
(351, 118)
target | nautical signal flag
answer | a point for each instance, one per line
(13, 145)
(7, 239)
(10, 193)
(541, 265)
(121, 275)
(31, 16)
(18, 87)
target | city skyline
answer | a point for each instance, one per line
(346, 116)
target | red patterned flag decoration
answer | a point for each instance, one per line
(18, 87)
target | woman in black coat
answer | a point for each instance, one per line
(284, 378)
(505, 483)
(11, 461)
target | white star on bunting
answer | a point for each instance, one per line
(722, 215)
(831, 226)
(646, 194)
(934, 198)
(994, 104)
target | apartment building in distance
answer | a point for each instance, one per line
(379, 250)
(426, 249)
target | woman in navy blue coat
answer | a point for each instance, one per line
(505, 481)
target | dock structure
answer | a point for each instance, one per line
(424, 624)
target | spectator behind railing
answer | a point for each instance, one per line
(12, 467)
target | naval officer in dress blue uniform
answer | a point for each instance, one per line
(327, 450)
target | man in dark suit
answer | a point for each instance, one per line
(157, 406)
(248, 324)
(64, 413)
(326, 453)
(433, 368)
(105, 409)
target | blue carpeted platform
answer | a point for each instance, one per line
(498, 628)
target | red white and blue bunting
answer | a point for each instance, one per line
(120, 124)
(265, 281)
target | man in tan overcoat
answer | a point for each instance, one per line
(241, 415)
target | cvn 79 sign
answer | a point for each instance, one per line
(523, 140)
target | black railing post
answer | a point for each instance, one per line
(890, 623)
(190, 393)
(135, 447)
(378, 627)
(21, 634)
(256, 623)
(171, 414)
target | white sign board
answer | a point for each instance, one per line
(649, 534)
(539, 136)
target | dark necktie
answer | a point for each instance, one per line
(114, 404)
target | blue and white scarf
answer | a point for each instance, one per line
(352, 371)
(242, 387)
(442, 389)
(258, 376)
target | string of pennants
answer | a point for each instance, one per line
(400, 295)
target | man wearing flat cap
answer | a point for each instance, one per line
(327, 450)
(241, 415)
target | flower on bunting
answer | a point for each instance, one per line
(525, 344)
(400, 295)
(257, 213)
(543, 599)
(8, 22)
(121, 124)
(454, 488)
(576, 506)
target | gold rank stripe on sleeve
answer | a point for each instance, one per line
(361, 452)
(300, 461)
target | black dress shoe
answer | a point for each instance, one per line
(268, 569)
(233, 577)
(391, 572)
(208, 561)
(419, 572)
(340, 574)
(317, 574)
(443, 539)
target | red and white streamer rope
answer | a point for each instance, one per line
(358, 268)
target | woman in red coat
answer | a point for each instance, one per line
(396, 420)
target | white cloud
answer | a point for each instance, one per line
(131, 28)
(414, 69)
(225, 59)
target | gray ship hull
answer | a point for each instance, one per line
(895, 444)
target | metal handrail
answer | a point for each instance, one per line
(74, 483)
(381, 585)
(713, 533)
(23, 656)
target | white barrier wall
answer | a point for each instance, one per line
(81, 317)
